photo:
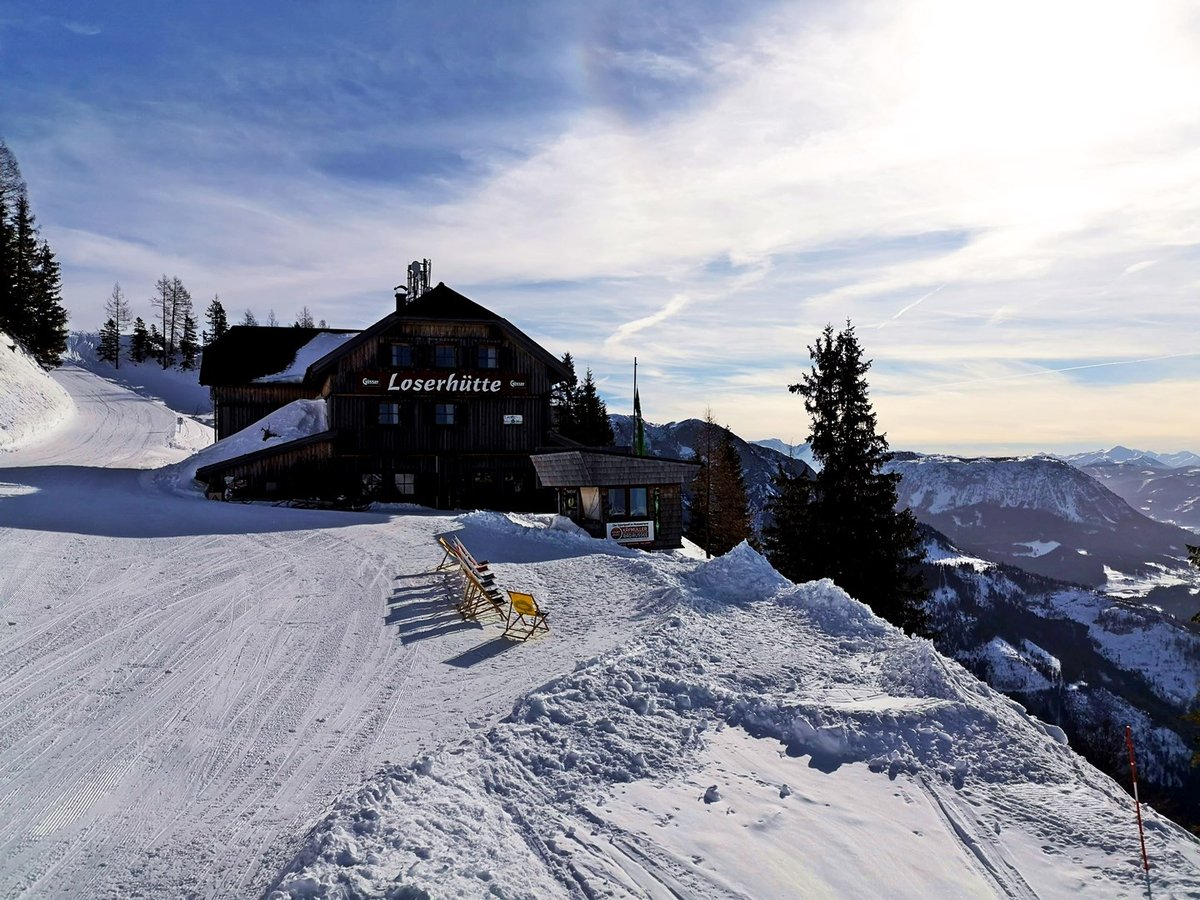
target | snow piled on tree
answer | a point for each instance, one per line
(32, 404)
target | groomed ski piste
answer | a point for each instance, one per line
(207, 699)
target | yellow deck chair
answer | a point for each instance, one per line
(524, 617)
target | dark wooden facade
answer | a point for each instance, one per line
(637, 501)
(440, 403)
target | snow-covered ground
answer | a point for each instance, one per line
(31, 404)
(217, 700)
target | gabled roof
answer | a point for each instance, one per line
(440, 304)
(205, 472)
(246, 352)
(597, 468)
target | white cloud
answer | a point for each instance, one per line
(1041, 149)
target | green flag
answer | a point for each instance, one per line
(639, 440)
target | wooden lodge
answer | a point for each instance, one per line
(441, 403)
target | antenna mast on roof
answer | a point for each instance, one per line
(418, 278)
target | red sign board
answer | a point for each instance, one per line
(442, 383)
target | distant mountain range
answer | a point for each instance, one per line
(1168, 495)
(1050, 518)
(1144, 458)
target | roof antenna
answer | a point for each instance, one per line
(418, 278)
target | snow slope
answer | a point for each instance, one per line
(180, 390)
(775, 741)
(191, 686)
(31, 401)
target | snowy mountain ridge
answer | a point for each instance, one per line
(1046, 516)
(1144, 458)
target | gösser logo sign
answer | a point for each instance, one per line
(434, 383)
(631, 532)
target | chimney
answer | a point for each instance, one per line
(401, 292)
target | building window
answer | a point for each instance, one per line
(489, 357)
(389, 413)
(445, 356)
(443, 413)
(406, 484)
(402, 356)
(616, 502)
(371, 482)
(637, 502)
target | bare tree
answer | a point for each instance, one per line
(116, 307)
(304, 318)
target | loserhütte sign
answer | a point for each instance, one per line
(484, 383)
(631, 532)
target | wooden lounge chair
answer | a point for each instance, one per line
(478, 595)
(524, 617)
(451, 558)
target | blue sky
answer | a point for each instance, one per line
(1002, 197)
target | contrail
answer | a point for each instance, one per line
(916, 302)
(1120, 362)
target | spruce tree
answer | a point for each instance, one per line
(218, 323)
(8, 294)
(188, 344)
(249, 318)
(272, 322)
(720, 512)
(563, 400)
(843, 523)
(139, 345)
(590, 413)
(109, 349)
(48, 332)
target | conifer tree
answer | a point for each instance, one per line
(590, 414)
(48, 333)
(188, 344)
(843, 523)
(109, 349)
(156, 343)
(249, 318)
(139, 346)
(218, 323)
(563, 400)
(720, 512)
(304, 318)
(31, 309)
(272, 322)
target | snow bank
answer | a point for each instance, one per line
(300, 418)
(321, 345)
(532, 806)
(31, 402)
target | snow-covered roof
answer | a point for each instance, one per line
(320, 346)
